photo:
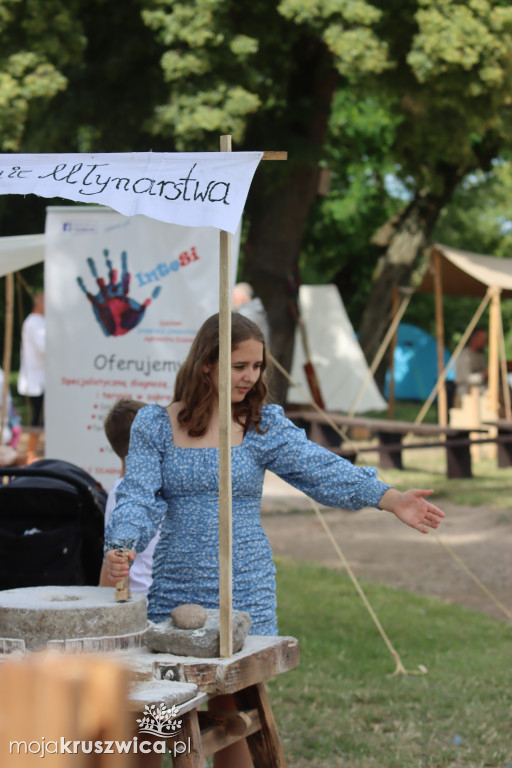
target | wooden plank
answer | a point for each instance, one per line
(145, 693)
(221, 729)
(260, 659)
(225, 419)
(270, 155)
(264, 745)
(377, 425)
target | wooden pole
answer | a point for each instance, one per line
(458, 349)
(504, 372)
(225, 491)
(392, 347)
(9, 314)
(493, 360)
(442, 403)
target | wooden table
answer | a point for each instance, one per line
(390, 435)
(242, 675)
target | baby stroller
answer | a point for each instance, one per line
(51, 525)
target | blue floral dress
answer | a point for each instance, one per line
(179, 488)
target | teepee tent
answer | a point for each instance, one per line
(339, 362)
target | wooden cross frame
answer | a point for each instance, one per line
(225, 496)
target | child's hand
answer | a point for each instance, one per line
(116, 566)
(412, 509)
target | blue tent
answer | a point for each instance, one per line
(415, 364)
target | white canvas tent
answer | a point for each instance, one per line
(338, 360)
(20, 252)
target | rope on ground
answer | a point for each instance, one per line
(399, 669)
(448, 549)
(472, 575)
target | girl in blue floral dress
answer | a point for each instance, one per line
(172, 479)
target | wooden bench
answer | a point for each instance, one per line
(390, 435)
(503, 440)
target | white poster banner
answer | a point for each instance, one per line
(199, 189)
(124, 300)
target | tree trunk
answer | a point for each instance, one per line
(271, 258)
(404, 238)
(282, 194)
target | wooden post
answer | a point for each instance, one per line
(63, 697)
(493, 359)
(504, 372)
(392, 347)
(225, 491)
(9, 313)
(442, 403)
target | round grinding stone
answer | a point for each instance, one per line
(39, 614)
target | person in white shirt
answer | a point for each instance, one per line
(117, 427)
(31, 378)
(471, 366)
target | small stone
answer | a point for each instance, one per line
(189, 616)
(165, 637)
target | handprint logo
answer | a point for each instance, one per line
(114, 310)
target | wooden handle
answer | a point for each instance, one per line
(123, 586)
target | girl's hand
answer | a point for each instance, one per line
(412, 508)
(115, 565)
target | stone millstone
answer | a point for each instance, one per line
(39, 614)
(164, 637)
(189, 616)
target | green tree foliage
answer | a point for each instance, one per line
(337, 243)
(424, 91)
(38, 39)
(451, 84)
(227, 60)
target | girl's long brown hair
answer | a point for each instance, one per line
(194, 388)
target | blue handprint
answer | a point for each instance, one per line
(114, 310)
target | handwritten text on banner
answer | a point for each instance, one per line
(192, 189)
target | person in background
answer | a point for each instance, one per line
(117, 427)
(471, 365)
(31, 377)
(248, 305)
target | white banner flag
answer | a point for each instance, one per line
(200, 189)
(124, 300)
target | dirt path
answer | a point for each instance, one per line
(379, 548)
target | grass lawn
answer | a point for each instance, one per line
(340, 707)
